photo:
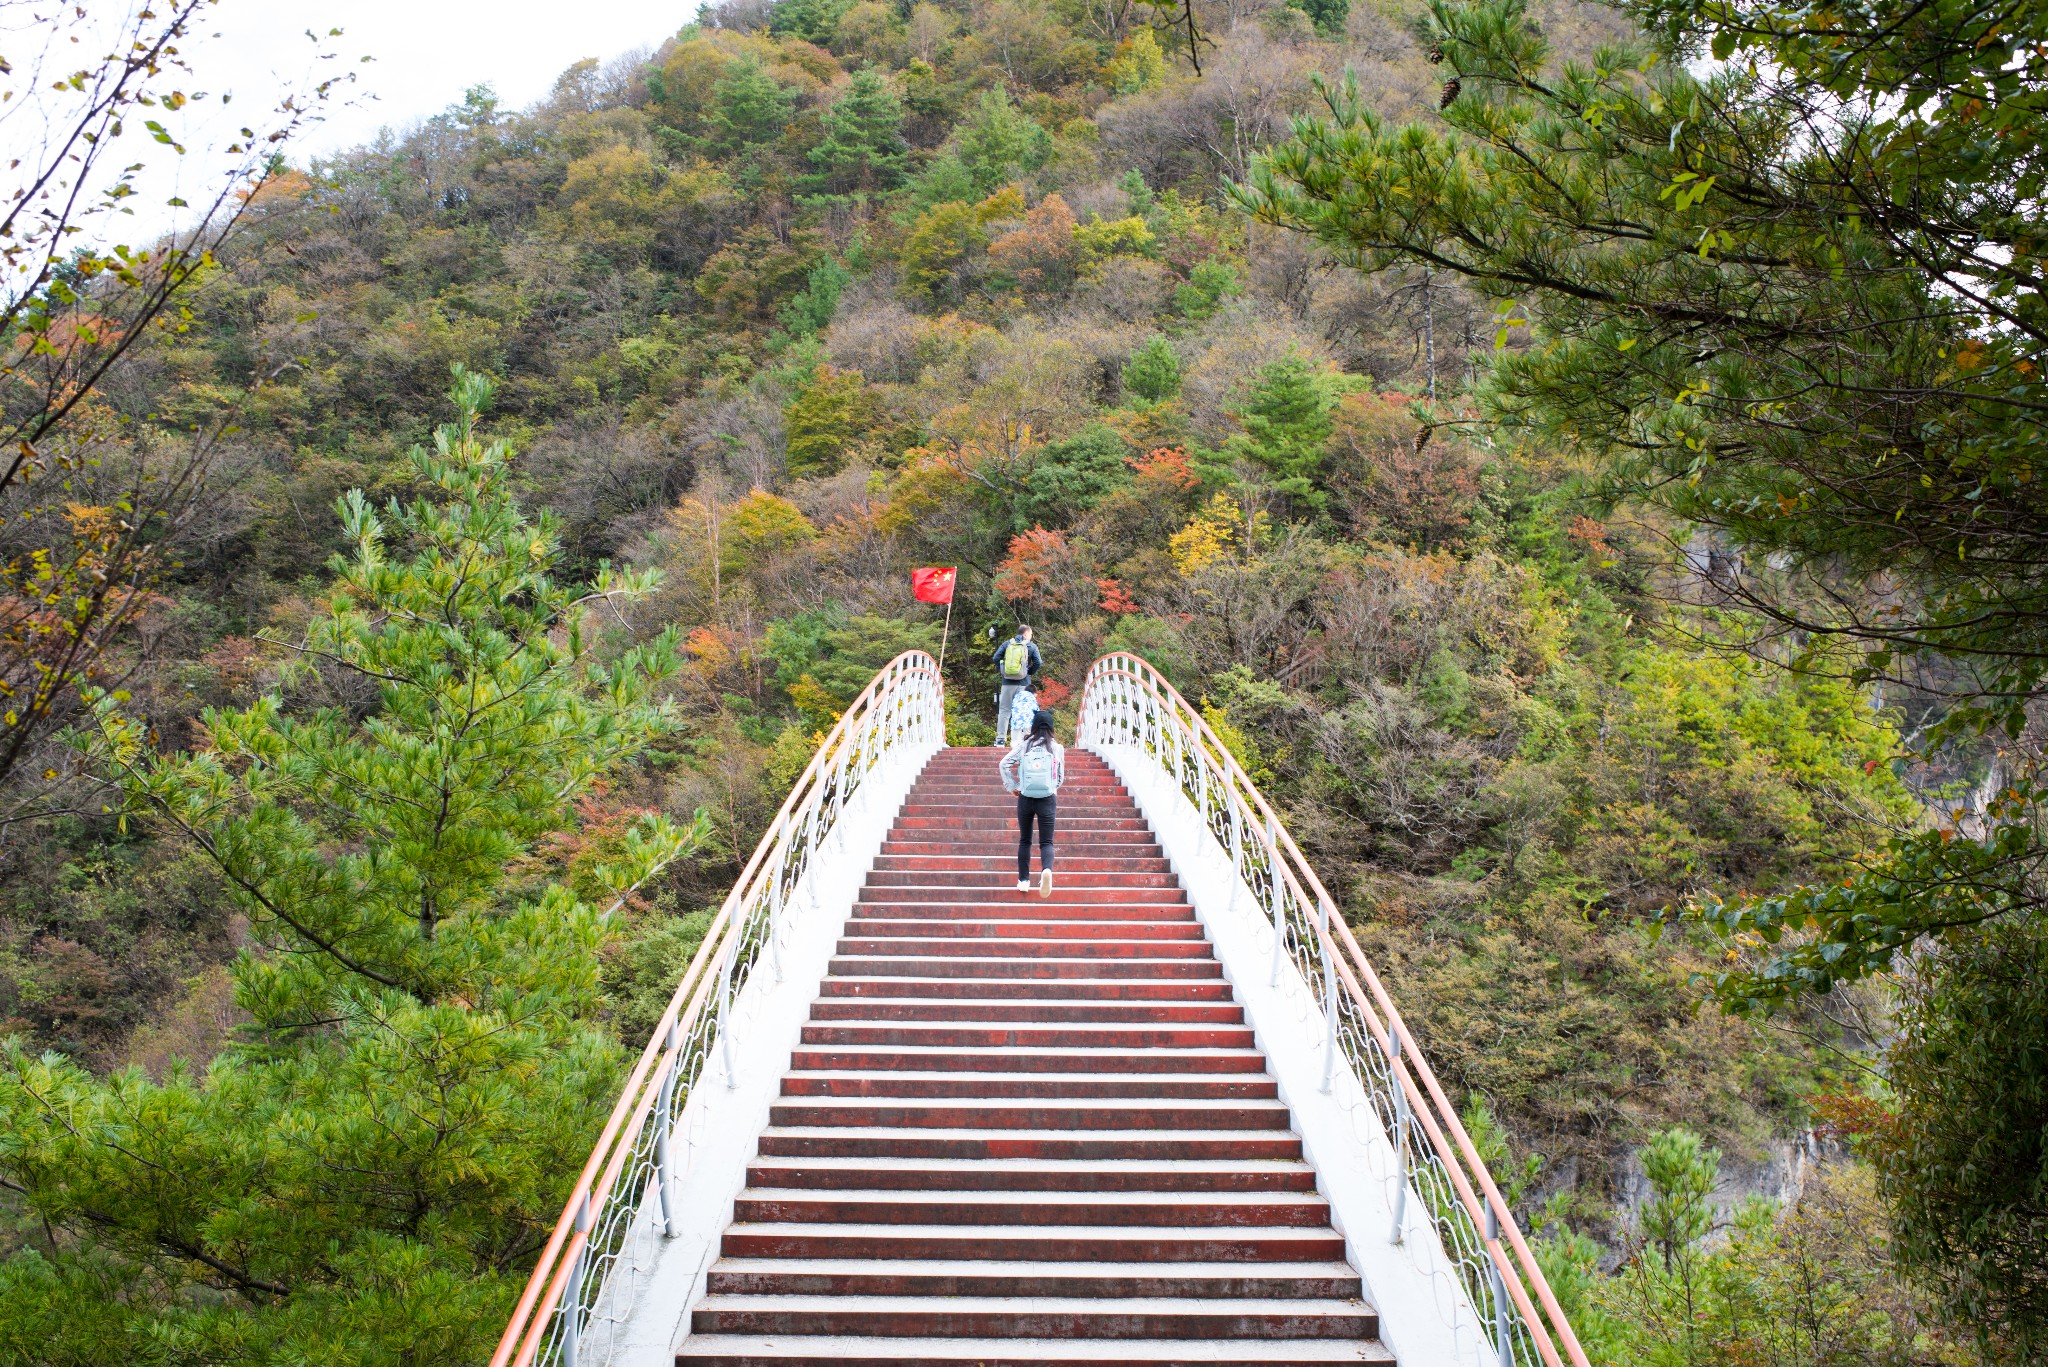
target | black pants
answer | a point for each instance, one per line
(1045, 810)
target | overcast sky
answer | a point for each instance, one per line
(424, 55)
(425, 52)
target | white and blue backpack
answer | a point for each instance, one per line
(1037, 771)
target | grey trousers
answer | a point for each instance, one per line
(1003, 701)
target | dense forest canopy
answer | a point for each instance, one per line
(1367, 369)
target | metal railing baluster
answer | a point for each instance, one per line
(1127, 706)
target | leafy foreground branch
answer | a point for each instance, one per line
(364, 1177)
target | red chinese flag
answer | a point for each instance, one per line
(934, 585)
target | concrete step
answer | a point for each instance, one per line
(995, 821)
(998, 1210)
(1182, 928)
(995, 893)
(792, 1350)
(961, 988)
(1066, 1146)
(941, 841)
(989, 844)
(1035, 1317)
(867, 1081)
(1042, 911)
(1049, 1114)
(1013, 1060)
(1010, 904)
(1018, 948)
(1080, 801)
(892, 966)
(1045, 1243)
(999, 1036)
(1024, 1009)
(995, 863)
(963, 1277)
(1025, 1174)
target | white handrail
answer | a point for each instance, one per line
(902, 709)
(1128, 705)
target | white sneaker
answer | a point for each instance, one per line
(1023, 885)
(1045, 882)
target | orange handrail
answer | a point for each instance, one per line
(596, 1183)
(1550, 1332)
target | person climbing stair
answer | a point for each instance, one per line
(1034, 772)
(1016, 660)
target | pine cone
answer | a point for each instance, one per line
(1451, 89)
(1436, 53)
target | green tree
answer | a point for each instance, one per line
(1208, 285)
(1327, 15)
(362, 1178)
(1071, 476)
(1681, 1170)
(810, 312)
(825, 658)
(1819, 334)
(863, 146)
(814, 21)
(1137, 65)
(826, 417)
(1153, 371)
(748, 107)
(1963, 1161)
(998, 143)
(1287, 426)
(939, 246)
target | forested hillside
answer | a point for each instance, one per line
(737, 333)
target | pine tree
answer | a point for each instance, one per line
(863, 146)
(810, 312)
(1287, 426)
(363, 1176)
(1153, 372)
(749, 107)
(1327, 15)
(814, 21)
(997, 143)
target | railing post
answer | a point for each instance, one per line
(663, 1122)
(837, 802)
(1327, 947)
(1503, 1344)
(1402, 1121)
(1238, 874)
(1275, 897)
(739, 931)
(775, 872)
(572, 1294)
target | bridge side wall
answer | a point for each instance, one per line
(1425, 1316)
(720, 1125)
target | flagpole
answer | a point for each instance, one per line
(947, 630)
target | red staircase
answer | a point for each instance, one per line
(1024, 1130)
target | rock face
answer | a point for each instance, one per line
(1779, 1176)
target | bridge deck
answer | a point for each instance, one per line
(1028, 1130)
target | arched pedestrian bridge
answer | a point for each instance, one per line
(898, 1112)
